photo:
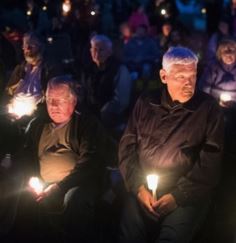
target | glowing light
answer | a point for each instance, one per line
(50, 40)
(203, 11)
(163, 11)
(22, 104)
(36, 184)
(28, 12)
(225, 97)
(66, 7)
(152, 181)
(44, 8)
(92, 13)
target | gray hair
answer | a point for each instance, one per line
(102, 38)
(178, 55)
(65, 80)
(35, 38)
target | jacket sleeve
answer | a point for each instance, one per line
(128, 153)
(15, 77)
(121, 95)
(27, 156)
(199, 182)
(88, 167)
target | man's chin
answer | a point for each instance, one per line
(30, 60)
(187, 96)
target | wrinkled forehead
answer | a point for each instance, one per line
(190, 67)
(61, 90)
(101, 45)
(30, 40)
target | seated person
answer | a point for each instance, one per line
(219, 78)
(25, 89)
(69, 152)
(223, 31)
(29, 78)
(141, 54)
(177, 134)
(107, 84)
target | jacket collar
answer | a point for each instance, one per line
(162, 98)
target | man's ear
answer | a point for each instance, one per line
(163, 76)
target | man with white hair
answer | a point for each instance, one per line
(107, 83)
(175, 133)
(69, 151)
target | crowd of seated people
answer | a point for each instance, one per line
(77, 144)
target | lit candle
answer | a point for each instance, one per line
(21, 105)
(225, 97)
(152, 181)
(163, 11)
(36, 184)
(66, 7)
(50, 40)
(28, 12)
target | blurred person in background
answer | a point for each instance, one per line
(141, 54)
(223, 31)
(138, 17)
(107, 84)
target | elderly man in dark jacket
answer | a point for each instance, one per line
(177, 134)
(69, 152)
(107, 84)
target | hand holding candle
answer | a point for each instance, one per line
(225, 99)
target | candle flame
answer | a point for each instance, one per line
(152, 181)
(225, 97)
(36, 184)
(22, 104)
(66, 7)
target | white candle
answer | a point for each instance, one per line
(152, 181)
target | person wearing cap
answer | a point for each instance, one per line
(176, 133)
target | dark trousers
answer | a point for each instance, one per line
(59, 218)
(79, 214)
(177, 227)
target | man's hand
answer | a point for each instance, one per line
(47, 192)
(147, 201)
(165, 204)
(227, 104)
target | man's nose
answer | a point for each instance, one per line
(188, 81)
(54, 103)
